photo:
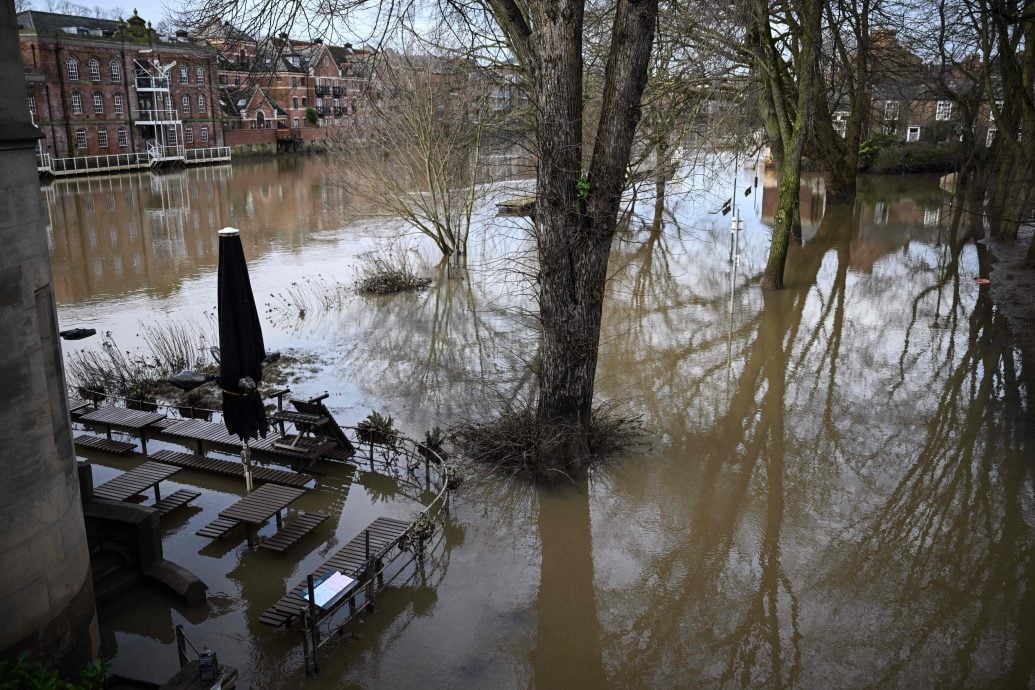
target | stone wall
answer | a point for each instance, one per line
(46, 595)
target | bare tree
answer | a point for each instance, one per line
(420, 158)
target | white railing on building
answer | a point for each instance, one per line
(207, 155)
(158, 153)
(90, 164)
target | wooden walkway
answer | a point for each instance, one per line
(230, 469)
(200, 431)
(350, 560)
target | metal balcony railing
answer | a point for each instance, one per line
(157, 115)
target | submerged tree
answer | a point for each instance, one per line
(421, 157)
(783, 42)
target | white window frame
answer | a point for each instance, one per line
(72, 69)
(80, 138)
(102, 138)
(990, 136)
(913, 134)
(202, 103)
(932, 216)
(98, 103)
(94, 68)
(116, 71)
(204, 134)
(199, 74)
(943, 111)
(77, 103)
(32, 105)
(186, 104)
(117, 98)
(891, 110)
(184, 75)
(188, 135)
(122, 137)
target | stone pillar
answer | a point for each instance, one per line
(46, 594)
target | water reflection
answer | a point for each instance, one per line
(840, 490)
(150, 232)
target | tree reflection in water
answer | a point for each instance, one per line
(814, 451)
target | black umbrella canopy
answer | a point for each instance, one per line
(240, 342)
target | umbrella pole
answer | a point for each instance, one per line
(246, 458)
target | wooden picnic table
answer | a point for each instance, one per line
(260, 505)
(136, 481)
(124, 418)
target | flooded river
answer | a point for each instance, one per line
(838, 489)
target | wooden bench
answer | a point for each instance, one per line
(218, 528)
(175, 500)
(104, 444)
(293, 531)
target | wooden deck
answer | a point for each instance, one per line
(200, 431)
(104, 444)
(229, 468)
(303, 524)
(350, 560)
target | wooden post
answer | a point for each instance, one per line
(368, 572)
(143, 441)
(280, 522)
(427, 474)
(312, 613)
(305, 643)
(158, 495)
(181, 646)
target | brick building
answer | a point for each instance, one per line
(273, 84)
(102, 87)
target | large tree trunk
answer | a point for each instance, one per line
(576, 215)
(786, 219)
(789, 105)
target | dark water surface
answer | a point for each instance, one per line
(838, 490)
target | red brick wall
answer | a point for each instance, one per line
(249, 137)
(45, 62)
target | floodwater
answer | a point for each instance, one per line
(837, 492)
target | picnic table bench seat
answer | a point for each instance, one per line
(292, 532)
(176, 500)
(218, 528)
(106, 445)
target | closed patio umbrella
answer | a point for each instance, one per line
(241, 348)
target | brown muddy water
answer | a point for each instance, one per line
(838, 489)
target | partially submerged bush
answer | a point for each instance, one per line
(305, 296)
(377, 428)
(518, 442)
(387, 274)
